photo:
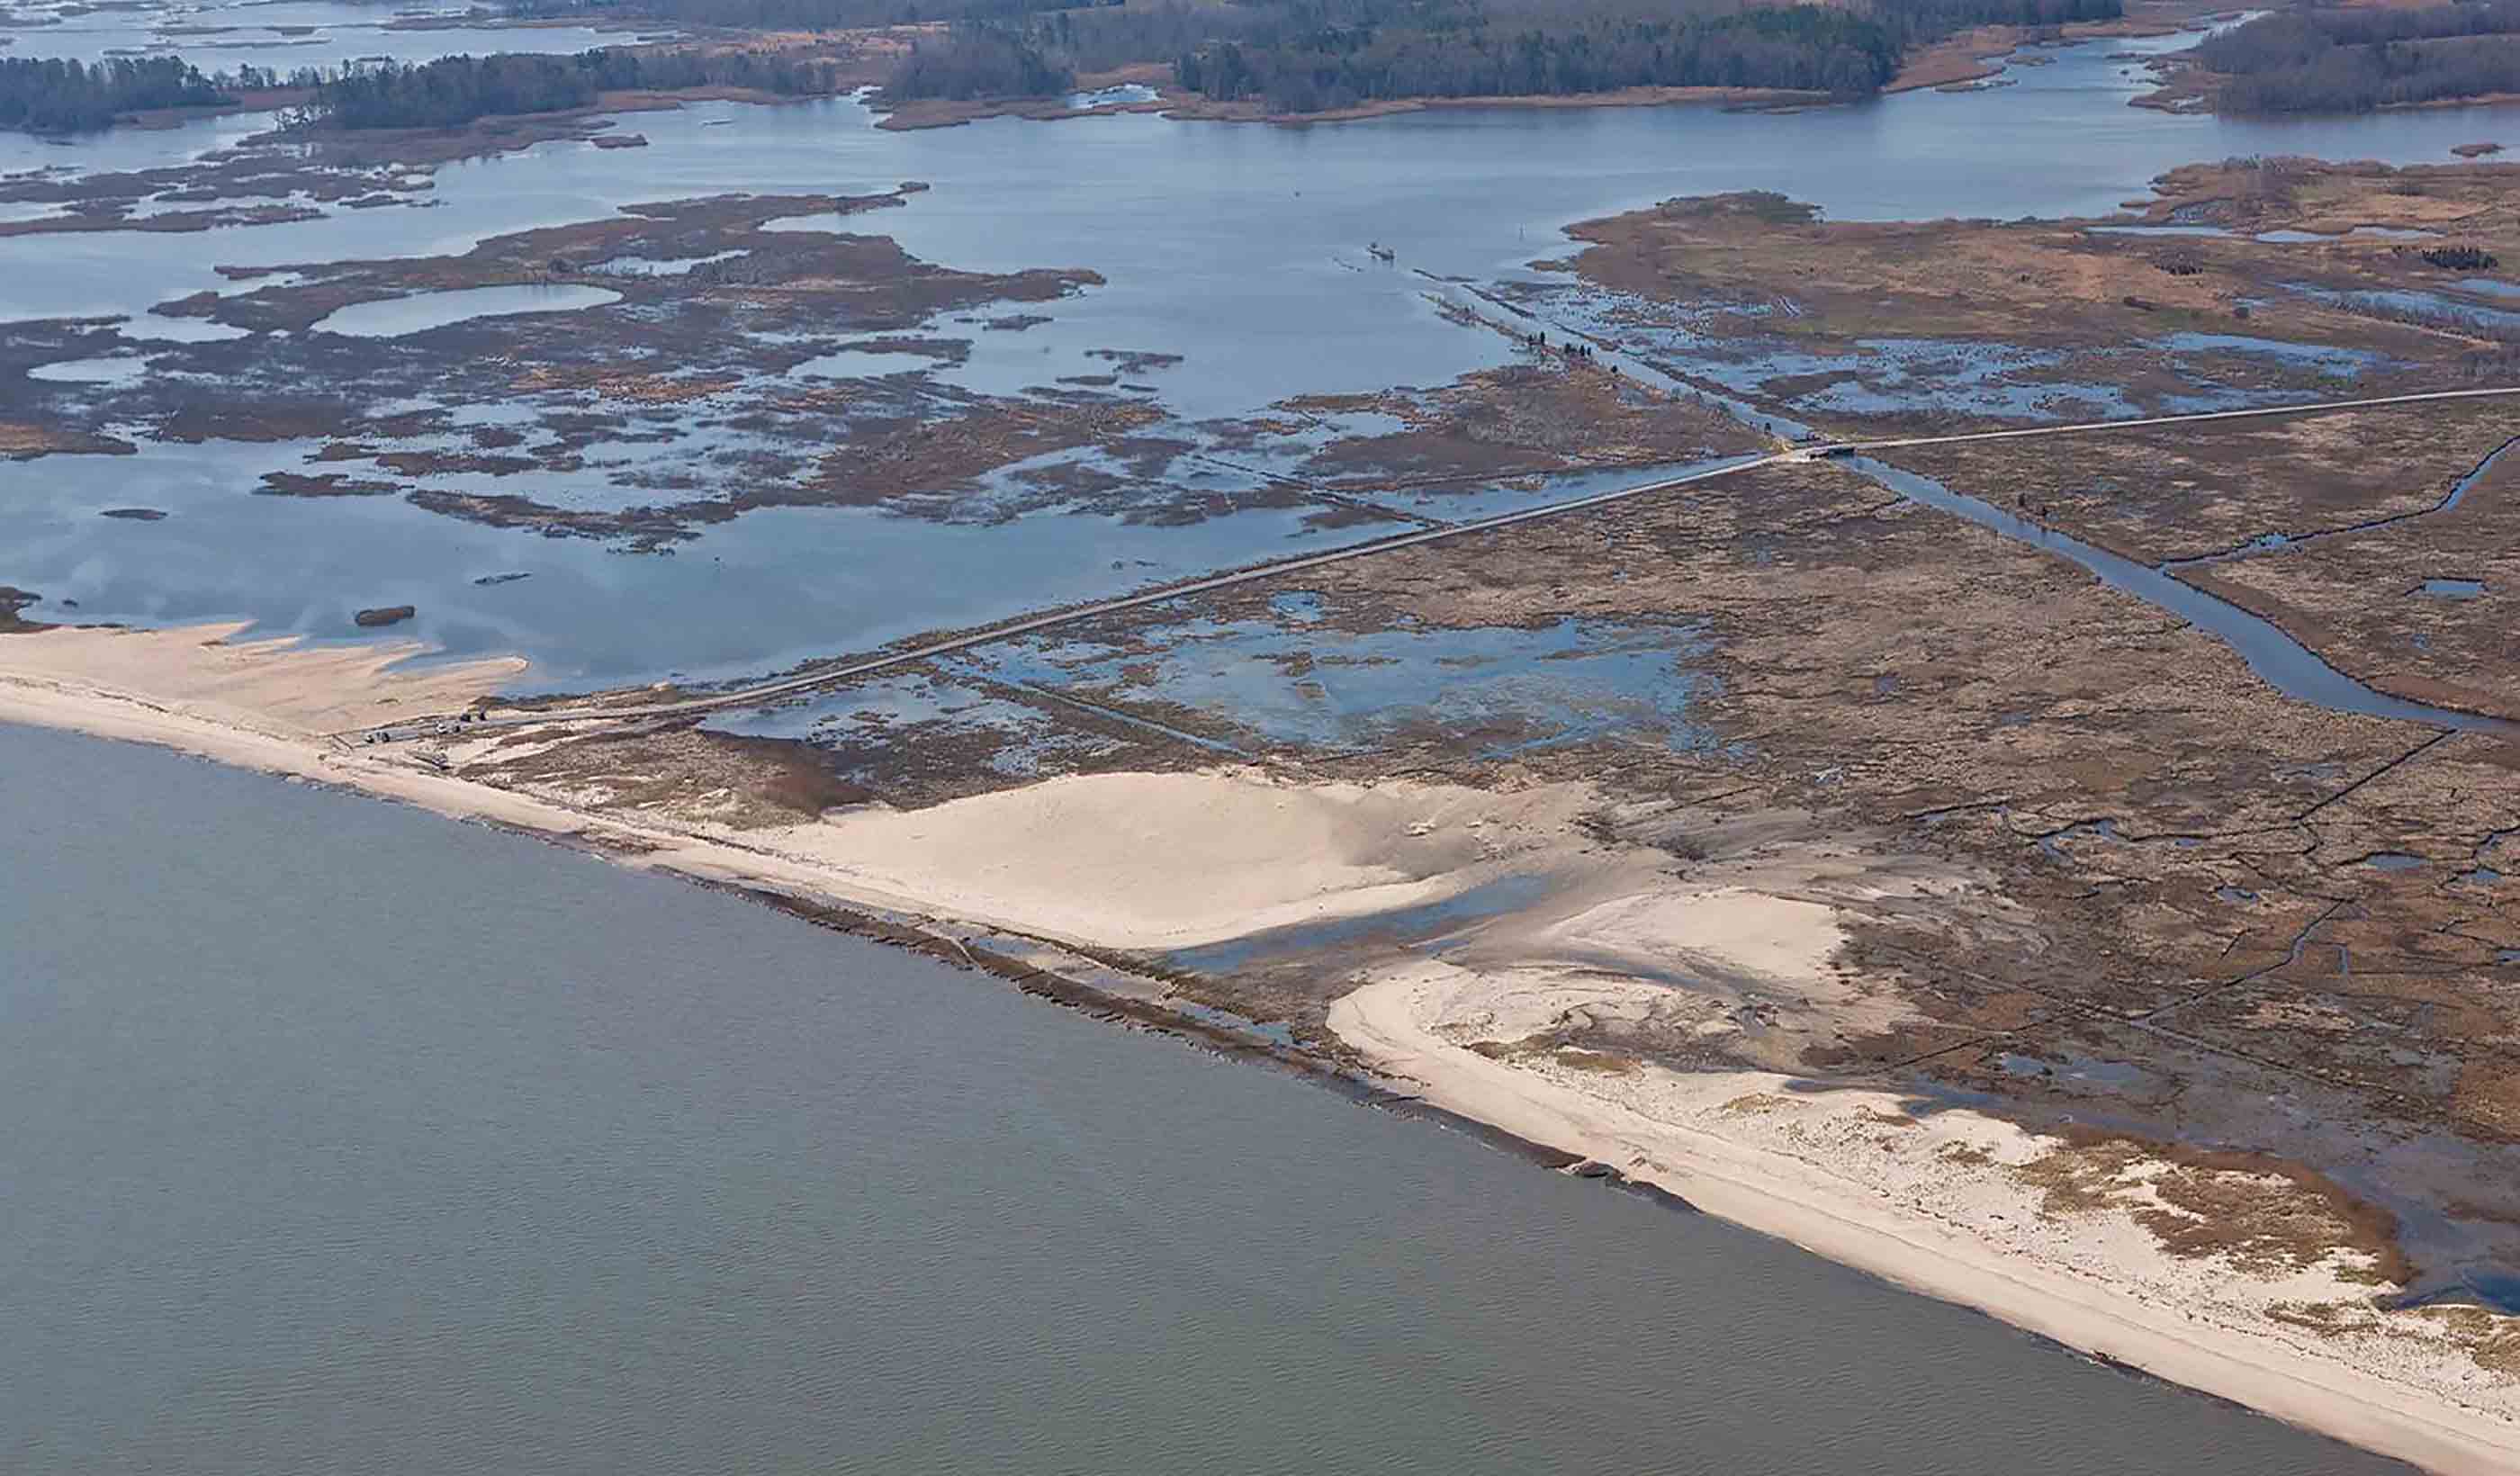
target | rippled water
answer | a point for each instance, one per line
(343, 1139)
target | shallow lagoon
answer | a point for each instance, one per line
(399, 317)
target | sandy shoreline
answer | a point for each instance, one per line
(1932, 1203)
(1825, 1212)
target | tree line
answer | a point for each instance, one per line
(455, 90)
(2355, 60)
(1308, 56)
(980, 60)
(793, 14)
(75, 97)
(1807, 48)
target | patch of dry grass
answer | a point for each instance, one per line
(2262, 1215)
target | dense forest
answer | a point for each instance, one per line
(68, 97)
(455, 90)
(793, 14)
(979, 62)
(1303, 70)
(1307, 56)
(2352, 61)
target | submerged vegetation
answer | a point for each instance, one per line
(2353, 61)
(72, 96)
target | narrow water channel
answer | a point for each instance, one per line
(2279, 661)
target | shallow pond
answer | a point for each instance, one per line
(1508, 690)
(862, 364)
(398, 317)
(113, 369)
(772, 588)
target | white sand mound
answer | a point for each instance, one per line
(271, 686)
(1148, 860)
(1732, 929)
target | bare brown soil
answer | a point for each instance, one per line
(746, 782)
(1972, 56)
(20, 441)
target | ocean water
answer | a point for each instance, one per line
(346, 1139)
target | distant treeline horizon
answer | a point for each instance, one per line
(2354, 61)
(54, 96)
(73, 97)
(1309, 56)
(1289, 56)
(455, 90)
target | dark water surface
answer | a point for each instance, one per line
(342, 1139)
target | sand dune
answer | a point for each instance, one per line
(1160, 861)
(278, 683)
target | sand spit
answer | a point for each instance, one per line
(276, 685)
(1949, 1202)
